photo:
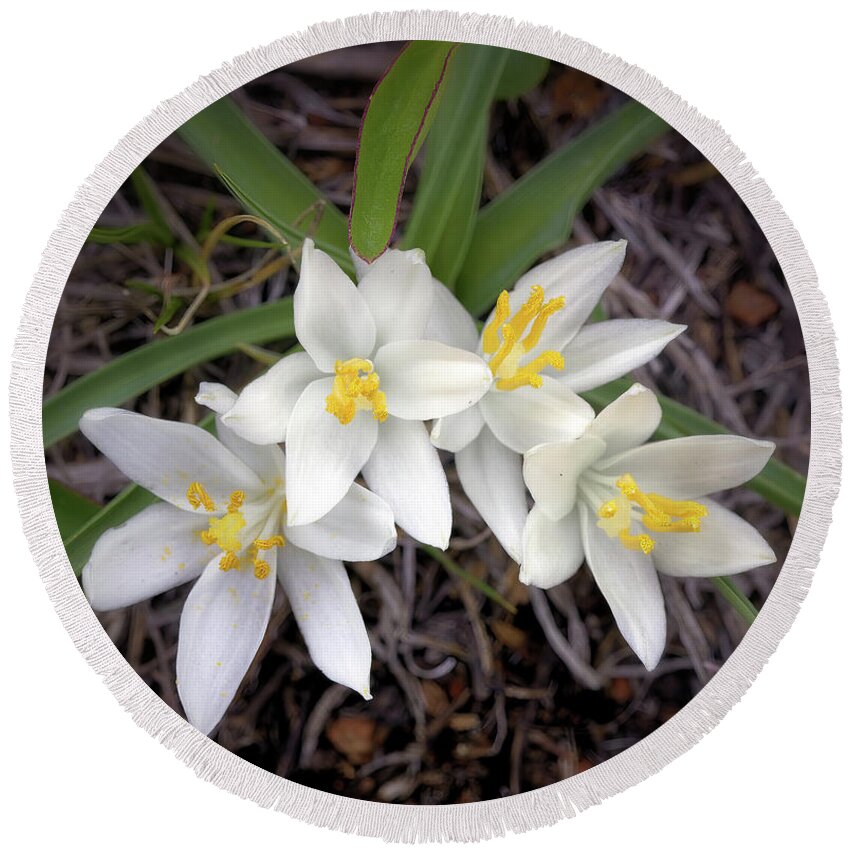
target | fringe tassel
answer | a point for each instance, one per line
(471, 821)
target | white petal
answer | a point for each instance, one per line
(551, 551)
(166, 457)
(398, 291)
(223, 622)
(217, 397)
(361, 266)
(154, 551)
(359, 528)
(332, 320)
(267, 461)
(603, 351)
(726, 544)
(690, 467)
(629, 583)
(525, 417)
(552, 470)
(628, 421)
(424, 379)
(327, 614)
(450, 322)
(491, 476)
(406, 472)
(456, 432)
(262, 410)
(323, 457)
(581, 276)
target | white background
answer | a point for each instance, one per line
(77, 76)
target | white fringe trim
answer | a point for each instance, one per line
(460, 822)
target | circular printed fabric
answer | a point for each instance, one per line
(427, 422)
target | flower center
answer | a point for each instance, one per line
(356, 387)
(657, 513)
(226, 532)
(502, 338)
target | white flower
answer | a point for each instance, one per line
(356, 398)
(629, 510)
(541, 356)
(222, 521)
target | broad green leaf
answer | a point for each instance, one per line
(269, 184)
(523, 72)
(777, 483)
(72, 510)
(449, 191)
(535, 214)
(133, 373)
(395, 124)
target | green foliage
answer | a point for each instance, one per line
(536, 213)
(394, 126)
(449, 191)
(259, 175)
(72, 510)
(133, 373)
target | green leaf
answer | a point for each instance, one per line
(72, 510)
(449, 191)
(144, 231)
(268, 184)
(395, 124)
(777, 483)
(522, 73)
(735, 597)
(457, 570)
(536, 213)
(133, 373)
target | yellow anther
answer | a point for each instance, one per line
(637, 542)
(627, 485)
(261, 568)
(237, 497)
(197, 496)
(270, 543)
(520, 380)
(508, 340)
(229, 562)
(532, 306)
(547, 311)
(208, 537)
(490, 337)
(356, 387)
(608, 510)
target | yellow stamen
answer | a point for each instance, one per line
(532, 306)
(519, 380)
(508, 340)
(261, 568)
(237, 497)
(356, 387)
(660, 515)
(197, 496)
(271, 542)
(229, 562)
(547, 311)
(548, 358)
(490, 337)
(679, 508)
(637, 542)
(608, 510)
